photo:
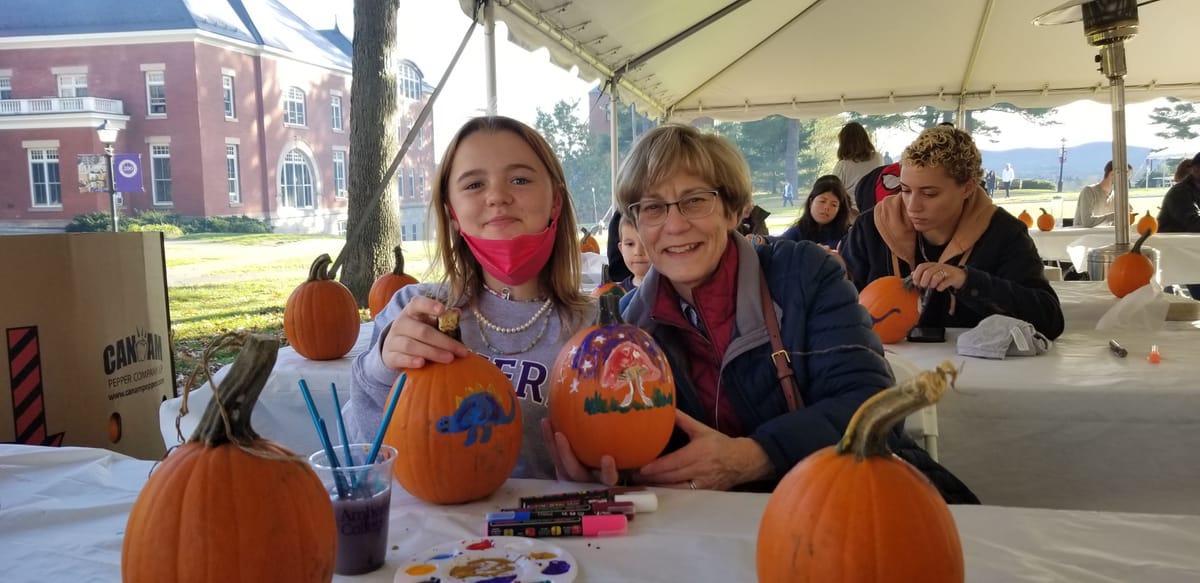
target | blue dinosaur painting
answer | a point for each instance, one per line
(476, 414)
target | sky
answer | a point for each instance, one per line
(431, 30)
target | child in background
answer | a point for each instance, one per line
(634, 255)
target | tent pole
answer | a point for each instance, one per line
(613, 149)
(960, 118)
(489, 51)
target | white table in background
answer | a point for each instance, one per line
(1052, 245)
(1077, 427)
(63, 514)
(1084, 302)
(1179, 254)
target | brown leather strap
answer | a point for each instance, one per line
(779, 356)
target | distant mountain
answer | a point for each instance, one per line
(1084, 165)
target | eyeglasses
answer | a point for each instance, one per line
(696, 205)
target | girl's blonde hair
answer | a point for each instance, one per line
(464, 275)
(948, 147)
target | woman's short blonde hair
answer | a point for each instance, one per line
(668, 149)
(464, 275)
(947, 147)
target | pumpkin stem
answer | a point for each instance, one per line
(869, 428)
(399, 253)
(320, 268)
(1137, 246)
(1043, 211)
(448, 323)
(227, 418)
(610, 310)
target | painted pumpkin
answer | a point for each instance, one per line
(855, 512)
(229, 505)
(321, 317)
(587, 243)
(612, 392)
(892, 304)
(388, 284)
(1045, 221)
(1026, 218)
(1147, 222)
(1131, 270)
(457, 429)
(607, 285)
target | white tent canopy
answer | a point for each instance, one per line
(804, 58)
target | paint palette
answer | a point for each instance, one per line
(496, 559)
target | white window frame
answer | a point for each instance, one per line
(5, 86)
(233, 174)
(421, 190)
(294, 113)
(335, 107)
(412, 183)
(45, 157)
(301, 193)
(160, 185)
(228, 96)
(409, 82)
(340, 187)
(72, 85)
(156, 106)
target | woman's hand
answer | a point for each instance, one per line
(413, 338)
(711, 461)
(939, 276)
(567, 466)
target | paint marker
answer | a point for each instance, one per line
(625, 508)
(592, 525)
(643, 500)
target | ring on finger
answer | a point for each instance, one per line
(692, 484)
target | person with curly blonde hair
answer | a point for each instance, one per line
(973, 258)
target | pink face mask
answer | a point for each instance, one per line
(517, 260)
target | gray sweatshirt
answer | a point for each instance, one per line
(529, 370)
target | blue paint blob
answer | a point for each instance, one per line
(556, 568)
(504, 579)
(443, 556)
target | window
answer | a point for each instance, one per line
(421, 191)
(43, 175)
(400, 182)
(160, 172)
(296, 181)
(5, 87)
(156, 93)
(231, 173)
(72, 86)
(410, 82)
(335, 105)
(412, 183)
(293, 107)
(339, 173)
(227, 92)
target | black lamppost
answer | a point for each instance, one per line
(1062, 159)
(107, 133)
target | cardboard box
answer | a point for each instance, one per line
(86, 357)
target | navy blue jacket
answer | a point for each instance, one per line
(837, 359)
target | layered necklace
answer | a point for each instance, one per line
(484, 323)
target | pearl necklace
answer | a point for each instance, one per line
(536, 339)
(515, 329)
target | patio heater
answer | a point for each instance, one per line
(1107, 24)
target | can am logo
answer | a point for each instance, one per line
(138, 347)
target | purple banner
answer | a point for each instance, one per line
(128, 173)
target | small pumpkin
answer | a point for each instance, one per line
(607, 285)
(1131, 270)
(388, 284)
(588, 244)
(856, 512)
(1147, 222)
(1026, 218)
(612, 392)
(1045, 221)
(321, 317)
(457, 428)
(229, 505)
(892, 304)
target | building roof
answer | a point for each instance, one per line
(267, 23)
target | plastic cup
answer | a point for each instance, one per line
(362, 513)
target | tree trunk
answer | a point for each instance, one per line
(792, 157)
(373, 227)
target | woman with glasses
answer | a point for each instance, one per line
(707, 299)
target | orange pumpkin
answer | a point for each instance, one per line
(1045, 221)
(1147, 222)
(457, 430)
(892, 304)
(1026, 218)
(229, 505)
(588, 244)
(321, 317)
(612, 392)
(855, 512)
(607, 285)
(388, 284)
(1131, 270)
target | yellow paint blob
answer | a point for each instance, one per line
(420, 570)
(542, 556)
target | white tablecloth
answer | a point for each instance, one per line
(1179, 254)
(63, 514)
(1084, 302)
(1052, 245)
(1077, 427)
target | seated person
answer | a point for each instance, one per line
(1181, 206)
(826, 218)
(1095, 206)
(634, 255)
(974, 259)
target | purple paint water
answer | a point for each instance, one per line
(362, 532)
(556, 568)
